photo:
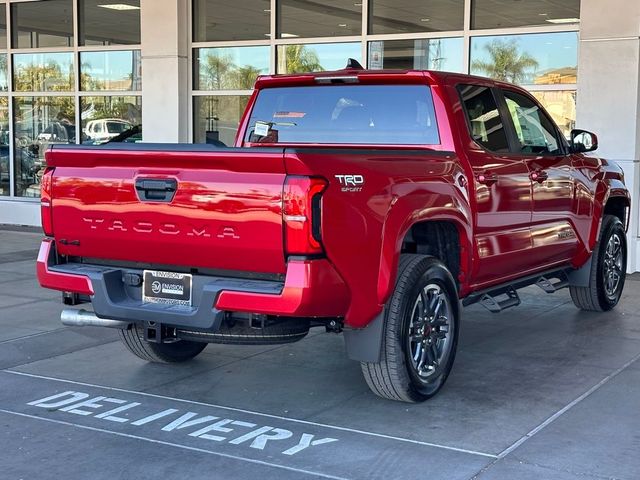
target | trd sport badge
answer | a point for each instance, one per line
(351, 183)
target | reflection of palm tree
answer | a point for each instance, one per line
(506, 62)
(300, 59)
(245, 77)
(220, 72)
(216, 68)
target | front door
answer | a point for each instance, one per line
(538, 141)
(502, 190)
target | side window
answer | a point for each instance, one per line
(535, 131)
(485, 123)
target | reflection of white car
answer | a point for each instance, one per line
(105, 128)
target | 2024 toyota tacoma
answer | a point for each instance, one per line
(368, 202)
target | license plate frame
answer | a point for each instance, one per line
(167, 288)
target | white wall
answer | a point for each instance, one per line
(19, 212)
(609, 92)
(165, 70)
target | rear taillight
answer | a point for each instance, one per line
(46, 209)
(302, 199)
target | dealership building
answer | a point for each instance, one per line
(85, 71)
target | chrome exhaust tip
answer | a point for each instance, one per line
(83, 318)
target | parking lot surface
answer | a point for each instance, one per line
(541, 391)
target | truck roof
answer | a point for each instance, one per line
(357, 75)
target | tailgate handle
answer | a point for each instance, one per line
(161, 190)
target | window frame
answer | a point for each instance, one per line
(514, 141)
(501, 113)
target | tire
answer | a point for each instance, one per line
(608, 269)
(402, 373)
(180, 351)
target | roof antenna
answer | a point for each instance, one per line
(353, 64)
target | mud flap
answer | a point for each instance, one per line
(580, 277)
(365, 344)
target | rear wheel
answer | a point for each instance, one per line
(421, 333)
(608, 269)
(179, 351)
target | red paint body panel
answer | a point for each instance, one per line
(362, 231)
(227, 210)
(59, 281)
(312, 289)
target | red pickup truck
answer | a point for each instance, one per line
(373, 203)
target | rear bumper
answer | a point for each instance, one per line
(62, 281)
(312, 288)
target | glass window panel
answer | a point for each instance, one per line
(366, 114)
(308, 18)
(216, 118)
(4, 84)
(4, 146)
(38, 123)
(443, 54)
(231, 20)
(42, 24)
(109, 22)
(409, 16)
(485, 123)
(234, 68)
(3, 27)
(561, 105)
(317, 57)
(534, 130)
(510, 13)
(540, 58)
(115, 118)
(113, 70)
(43, 72)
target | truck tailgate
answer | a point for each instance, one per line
(184, 205)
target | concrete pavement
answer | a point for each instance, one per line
(539, 391)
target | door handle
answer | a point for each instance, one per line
(156, 190)
(539, 176)
(487, 178)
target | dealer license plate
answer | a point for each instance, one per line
(167, 287)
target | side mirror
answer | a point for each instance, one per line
(583, 141)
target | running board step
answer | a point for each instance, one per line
(551, 287)
(490, 300)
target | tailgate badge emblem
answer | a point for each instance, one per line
(228, 232)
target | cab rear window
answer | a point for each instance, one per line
(345, 114)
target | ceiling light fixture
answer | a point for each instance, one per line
(563, 20)
(425, 19)
(343, 25)
(119, 6)
(288, 35)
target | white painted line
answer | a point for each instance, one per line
(566, 408)
(176, 445)
(268, 415)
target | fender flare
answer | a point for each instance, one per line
(394, 232)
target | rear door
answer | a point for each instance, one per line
(191, 206)
(502, 189)
(538, 141)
